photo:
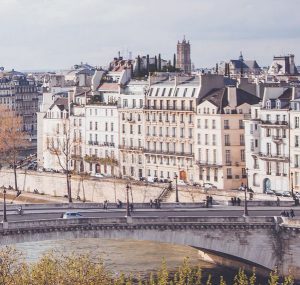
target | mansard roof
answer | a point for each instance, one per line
(61, 103)
(219, 97)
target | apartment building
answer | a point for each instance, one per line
(56, 136)
(267, 137)
(132, 129)
(101, 153)
(219, 137)
(295, 141)
(20, 94)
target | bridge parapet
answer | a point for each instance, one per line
(163, 221)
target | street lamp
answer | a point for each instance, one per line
(127, 204)
(292, 184)
(246, 190)
(176, 188)
(4, 206)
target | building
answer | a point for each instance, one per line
(269, 142)
(132, 129)
(219, 137)
(283, 65)
(19, 93)
(184, 56)
(170, 123)
(237, 67)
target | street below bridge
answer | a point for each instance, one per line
(50, 213)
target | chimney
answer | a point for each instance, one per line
(232, 101)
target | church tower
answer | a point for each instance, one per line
(184, 56)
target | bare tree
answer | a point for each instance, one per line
(12, 138)
(61, 147)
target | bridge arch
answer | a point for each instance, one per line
(256, 243)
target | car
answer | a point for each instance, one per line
(150, 179)
(277, 193)
(208, 186)
(286, 194)
(97, 175)
(181, 182)
(269, 192)
(71, 215)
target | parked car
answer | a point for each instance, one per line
(209, 186)
(71, 215)
(150, 179)
(181, 182)
(277, 193)
(269, 192)
(97, 175)
(286, 194)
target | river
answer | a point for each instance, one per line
(139, 257)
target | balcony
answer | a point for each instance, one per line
(169, 108)
(212, 164)
(226, 128)
(272, 157)
(274, 124)
(228, 163)
(76, 157)
(168, 153)
(227, 143)
(229, 176)
(131, 148)
(277, 139)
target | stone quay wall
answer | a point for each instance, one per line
(90, 189)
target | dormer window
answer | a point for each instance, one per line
(268, 104)
(278, 104)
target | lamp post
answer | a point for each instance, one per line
(127, 204)
(292, 184)
(176, 188)
(4, 206)
(246, 190)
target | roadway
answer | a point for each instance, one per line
(38, 214)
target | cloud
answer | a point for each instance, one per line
(37, 34)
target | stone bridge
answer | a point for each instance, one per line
(265, 241)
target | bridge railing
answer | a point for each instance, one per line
(66, 223)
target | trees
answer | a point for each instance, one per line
(12, 139)
(78, 269)
(60, 147)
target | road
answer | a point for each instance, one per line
(229, 211)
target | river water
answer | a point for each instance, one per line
(138, 257)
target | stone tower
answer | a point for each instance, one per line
(184, 56)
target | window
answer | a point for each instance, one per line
(297, 122)
(226, 124)
(139, 129)
(96, 126)
(213, 124)
(229, 173)
(227, 140)
(242, 155)
(91, 125)
(296, 141)
(112, 127)
(198, 123)
(214, 139)
(241, 124)
(206, 139)
(227, 156)
(242, 140)
(199, 138)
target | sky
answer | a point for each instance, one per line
(56, 34)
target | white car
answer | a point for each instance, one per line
(97, 175)
(71, 215)
(208, 186)
(181, 182)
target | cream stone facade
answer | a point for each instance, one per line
(269, 141)
(219, 137)
(132, 129)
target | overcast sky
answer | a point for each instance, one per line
(55, 34)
